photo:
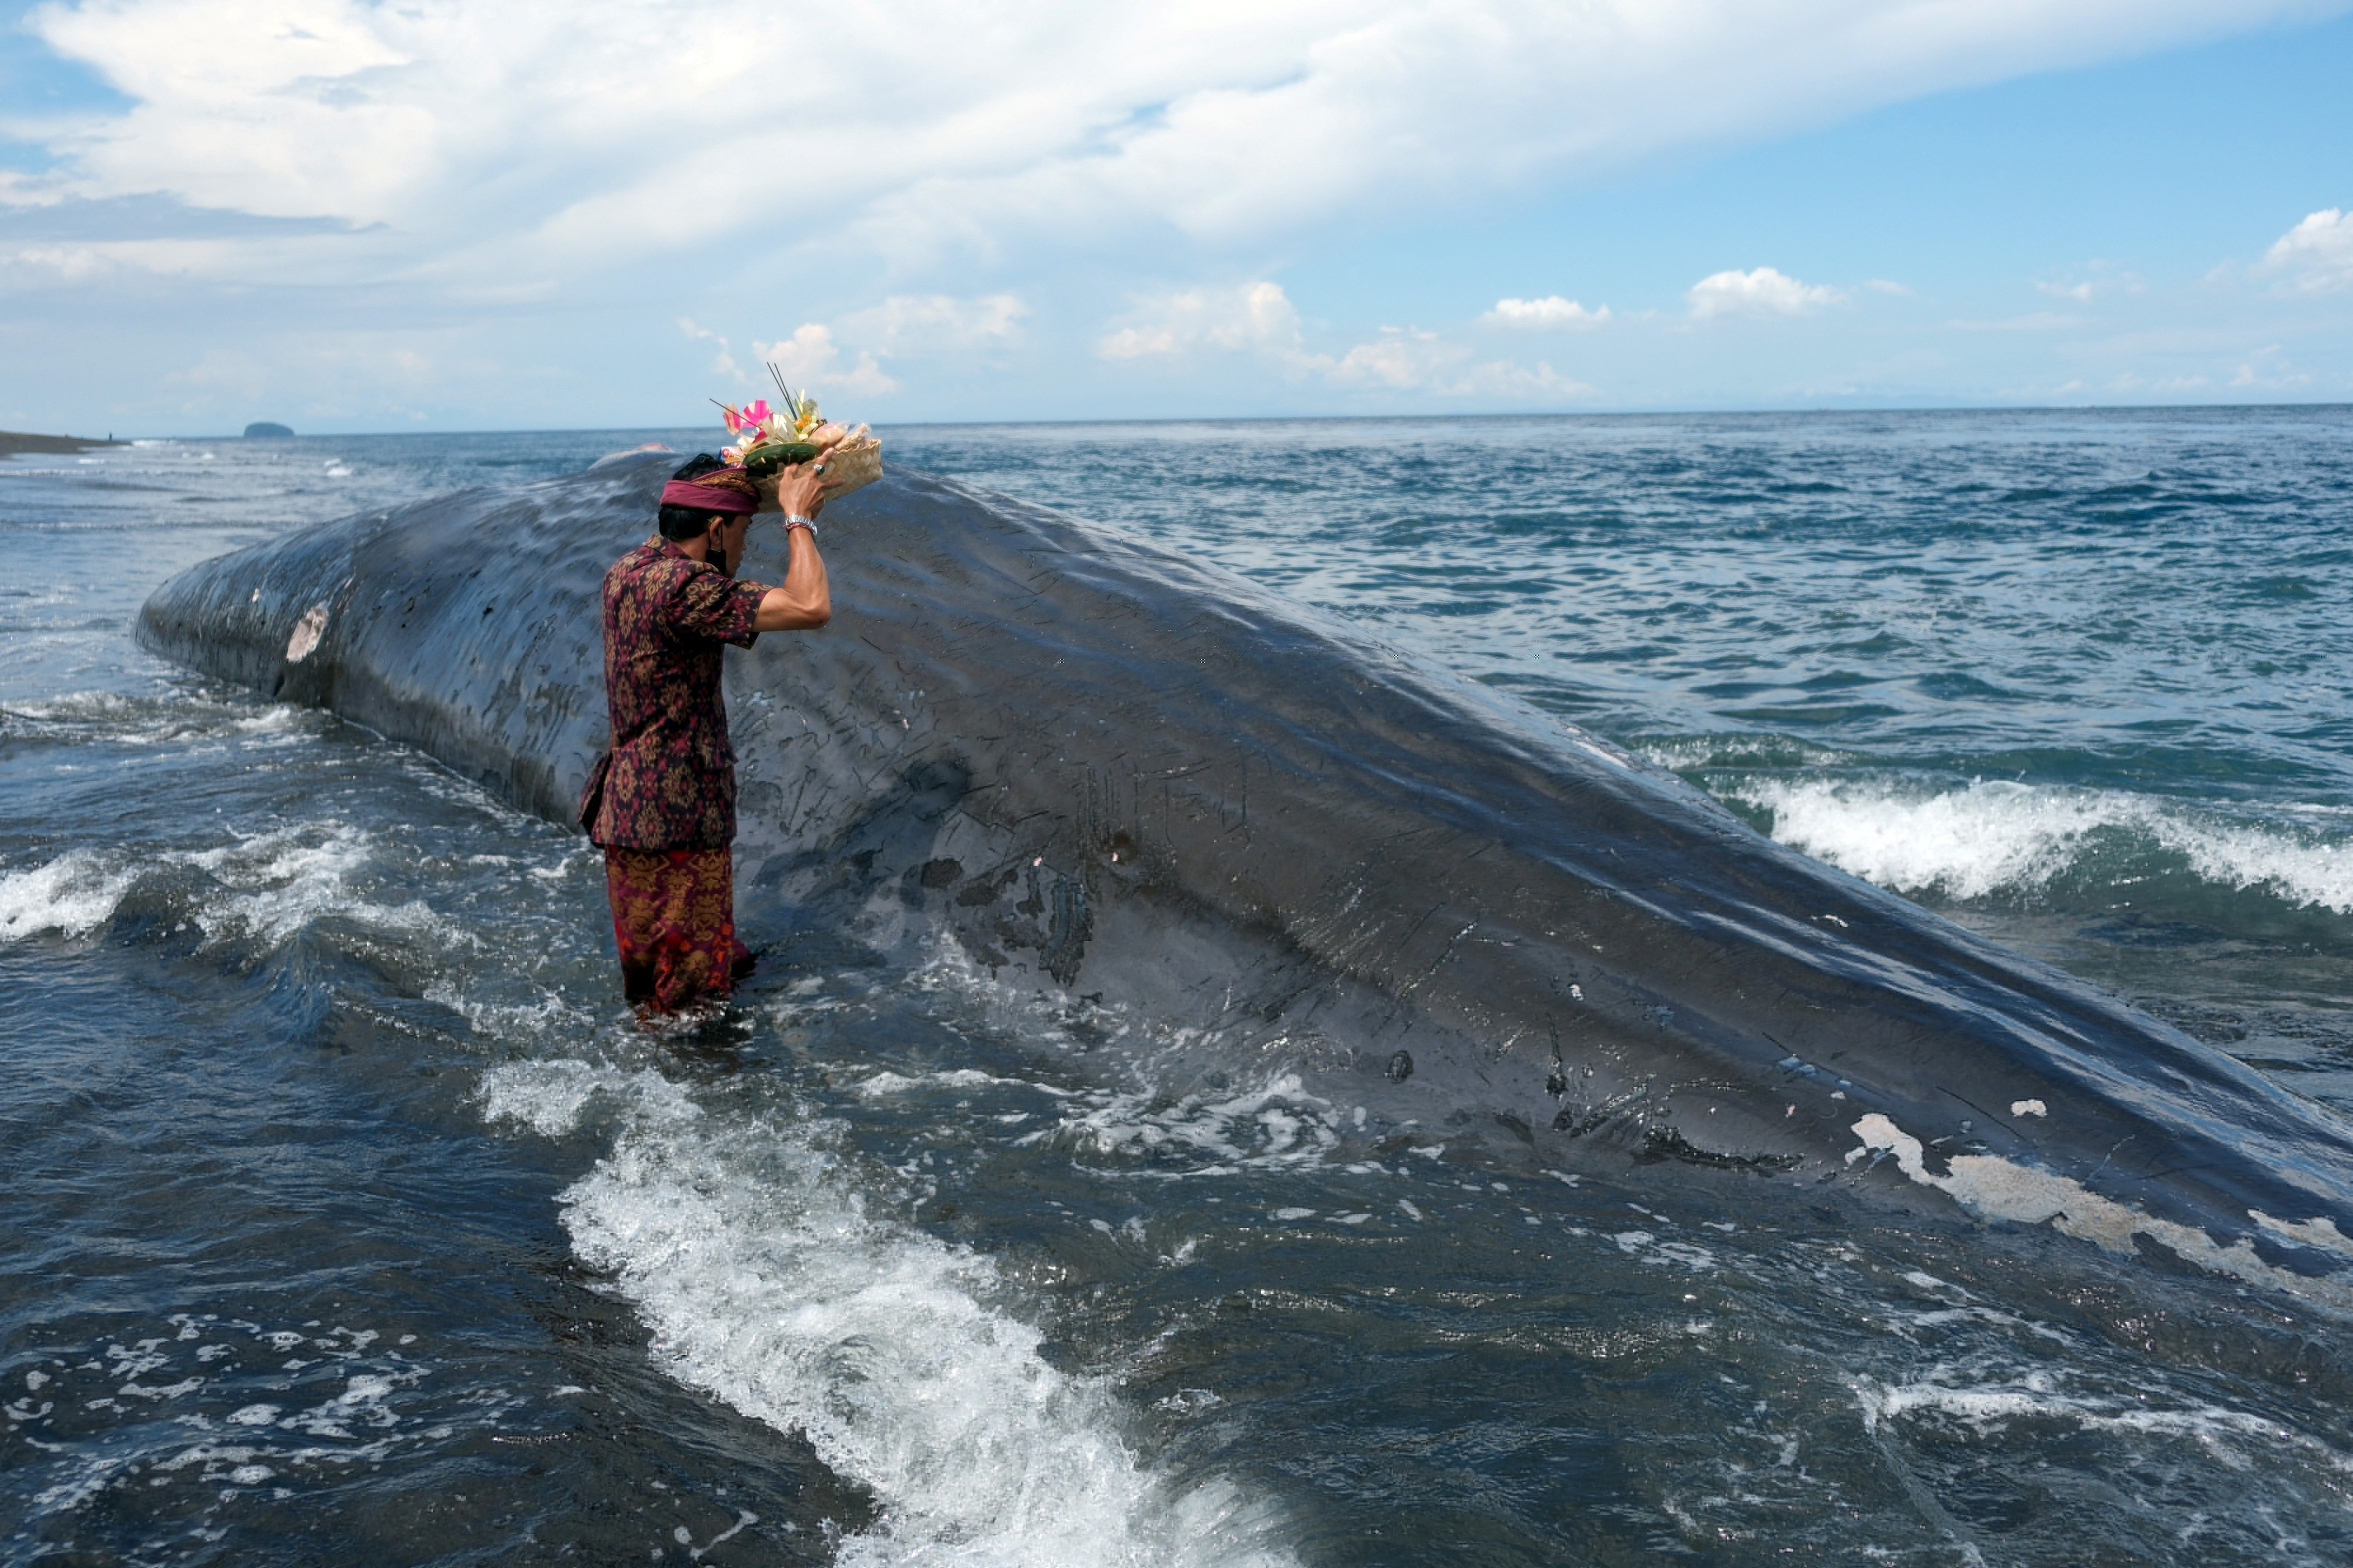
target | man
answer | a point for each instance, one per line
(662, 803)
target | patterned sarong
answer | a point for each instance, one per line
(674, 919)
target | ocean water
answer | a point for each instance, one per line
(348, 1219)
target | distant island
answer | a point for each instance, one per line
(13, 441)
(265, 428)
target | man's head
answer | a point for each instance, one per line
(706, 492)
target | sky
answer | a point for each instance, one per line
(444, 214)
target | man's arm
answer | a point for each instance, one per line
(805, 600)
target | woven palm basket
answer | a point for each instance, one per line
(846, 468)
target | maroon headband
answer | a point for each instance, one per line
(708, 498)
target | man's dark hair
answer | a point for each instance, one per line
(687, 521)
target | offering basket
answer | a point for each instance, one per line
(849, 467)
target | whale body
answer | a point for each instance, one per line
(1237, 833)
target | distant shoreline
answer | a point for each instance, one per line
(14, 441)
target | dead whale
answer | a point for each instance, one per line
(1160, 794)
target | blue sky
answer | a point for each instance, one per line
(448, 214)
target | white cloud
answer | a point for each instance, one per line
(1253, 316)
(502, 143)
(52, 263)
(933, 323)
(2319, 252)
(2105, 278)
(807, 358)
(723, 361)
(1763, 292)
(900, 324)
(2135, 382)
(1502, 378)
(111, 261)
(1402, 360)
(1548, 315)
(1398, 360)
(2254, 371)
(2035, 321)
(1257, 319)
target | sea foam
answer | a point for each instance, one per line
(1996, 837)
(73, 894)
(268, 886)
(747, 1247)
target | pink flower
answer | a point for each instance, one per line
(756, 413)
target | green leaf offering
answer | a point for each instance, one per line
(770, 456)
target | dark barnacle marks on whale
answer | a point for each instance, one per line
(1577, 1120)
(1232, 836)
(1669, 1143)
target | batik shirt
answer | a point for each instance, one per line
(670, 781)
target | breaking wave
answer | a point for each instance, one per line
(1992, 838)
(747, 1247)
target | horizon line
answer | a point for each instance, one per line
(1636, 412)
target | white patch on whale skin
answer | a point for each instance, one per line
(2028, 1108)
(307, 633)
(1988, 1186)
(2319, 1232)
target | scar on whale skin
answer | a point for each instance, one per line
(1988, 1186)
(307, 633)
